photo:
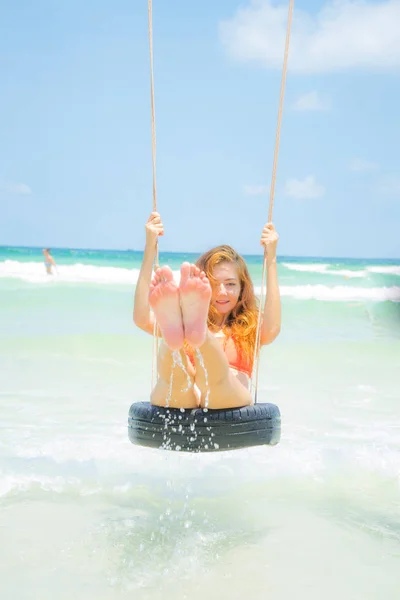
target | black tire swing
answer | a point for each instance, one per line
(209, 430)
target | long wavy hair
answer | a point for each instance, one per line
(241, 322)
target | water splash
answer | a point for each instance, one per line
(201, 362)
(177, 362)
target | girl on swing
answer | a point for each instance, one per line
(210, 318)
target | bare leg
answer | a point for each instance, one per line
(175, 385)
(179, 387)
(219, 387)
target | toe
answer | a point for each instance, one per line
(185, 271)
(167, 274)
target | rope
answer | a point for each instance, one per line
(153, 112)
(154, 366)
(272, 191)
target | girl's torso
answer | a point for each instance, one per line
(239, 364)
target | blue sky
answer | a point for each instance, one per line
(75, 144)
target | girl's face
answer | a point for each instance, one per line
(226, 289)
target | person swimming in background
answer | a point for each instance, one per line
(210, 319)
(49, 261)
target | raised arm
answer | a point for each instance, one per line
(142, 314)
(271, 321)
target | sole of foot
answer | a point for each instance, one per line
(164, 299)
(195, 296)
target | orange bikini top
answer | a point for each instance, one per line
(236, 358)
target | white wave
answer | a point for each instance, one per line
(22, 483)
(385, 269)
(347, 273)
(340, 293)
(366, 388)
(34, 272)
(323, 269)
(308, 268)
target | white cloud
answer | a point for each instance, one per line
(15, 188)
(344, 34)
(255, 190)
(390, 186)
(360, 165)
(19, 188)
(304, 189)
(310, 102)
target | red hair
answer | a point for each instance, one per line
(241, 322)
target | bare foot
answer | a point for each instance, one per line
(195, 292)
(164, 300)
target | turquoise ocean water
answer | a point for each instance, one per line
(85, 514)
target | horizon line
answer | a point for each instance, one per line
(198, 252)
